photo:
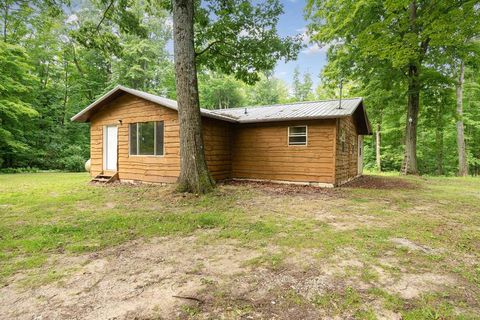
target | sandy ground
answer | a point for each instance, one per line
(135, 280)
(165, 277)
(187, 278)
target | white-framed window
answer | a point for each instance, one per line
(342, 139)
(297, 136)
(146, 138)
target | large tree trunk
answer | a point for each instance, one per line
(194, 175)
(378, 141)
(462, 153)
(410, 157)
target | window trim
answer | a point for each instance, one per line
(306, 136)
(154, 142)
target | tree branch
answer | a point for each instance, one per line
(75, 60)
(424, 45)
(208, 47)
(5, 23)
(105, 14)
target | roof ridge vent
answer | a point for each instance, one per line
(245, 112)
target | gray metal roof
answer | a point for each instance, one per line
(293, 111)
(85, 114)
(281, 112)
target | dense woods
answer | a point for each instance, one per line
(415, 60)
(407, 58)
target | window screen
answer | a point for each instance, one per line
(297, 136)
(146, 138)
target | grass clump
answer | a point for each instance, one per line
(339, 302)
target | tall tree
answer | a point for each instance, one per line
(219, 91)
(296, 83)
(457, 50)
(235, 37)
(267, 91)
(307, 86)
(16, 110)
(302, 90)
(472, 116)
(194, 174)
(461, 149)
(396, 34)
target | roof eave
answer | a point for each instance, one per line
(216, 116)
(82, 116)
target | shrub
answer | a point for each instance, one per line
(72, 159)
(19, 170)
(74, 163)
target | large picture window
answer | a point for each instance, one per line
(297, 136)
(146, 138)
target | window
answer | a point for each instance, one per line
(146, 138)
(342, 139)
(297, 136)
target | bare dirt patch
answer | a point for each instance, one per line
(413, 285)
(286, 189)
(138, 279)
(378, 182)
(183, 277)
(321, 290)
(355, 221)
(410, 245)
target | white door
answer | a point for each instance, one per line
(110, 143)
(360, 154)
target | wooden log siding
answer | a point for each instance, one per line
(261, 151)
(251, 151)
(217, 139)
(166, 168)
(346, 166)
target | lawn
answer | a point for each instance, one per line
(384, 247)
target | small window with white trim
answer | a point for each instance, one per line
(297, 136)
(146, 138)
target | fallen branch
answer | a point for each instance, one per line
(189, 298)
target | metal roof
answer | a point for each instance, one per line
(293, 111)
(85, 114)
(281, 112)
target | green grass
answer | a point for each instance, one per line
(49, 214)
(43, 214)
(338, 302)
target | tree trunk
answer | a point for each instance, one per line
(65, 94)
(439, 128)
(194, 175)
(377, 147)
(410, 157)
(462, 153)
(5, 21)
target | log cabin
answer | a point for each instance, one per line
(134, 136)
